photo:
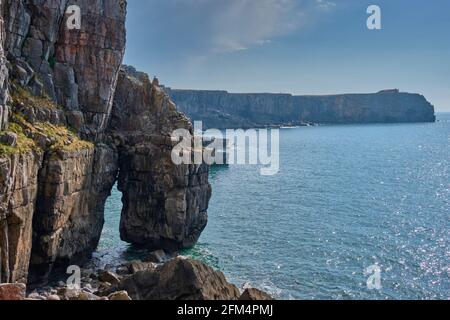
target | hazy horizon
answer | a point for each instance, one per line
(299, 47)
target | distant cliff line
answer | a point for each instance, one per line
(221, 109)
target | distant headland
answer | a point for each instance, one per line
(221, 109)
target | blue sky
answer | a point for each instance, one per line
(293, 46)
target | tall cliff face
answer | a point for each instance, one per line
(62, 81)
(59, 88)
(220, 109)
(76, 68)
(18, 191)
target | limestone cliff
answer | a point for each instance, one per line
(220, 109)
(65, 145)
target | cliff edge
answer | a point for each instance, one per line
(220, 109)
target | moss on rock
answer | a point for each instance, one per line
(24, 144)
(42, 136)
(21, 95)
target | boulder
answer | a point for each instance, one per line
(137, 266)
(9, 138)
(69, 294)
(108, 276)
(255, 295)
(179, 279)
(12, 292)
(158, 256)
(87, 296)
(36, 296)
(119, 296)
(76, 294)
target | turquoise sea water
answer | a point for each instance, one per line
(346, 198)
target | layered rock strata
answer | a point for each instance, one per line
(220, 109)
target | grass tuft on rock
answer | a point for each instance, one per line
(42, 136)
(21, 95)
(62, 138)
(24, 144)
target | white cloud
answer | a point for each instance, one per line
(240, 24)
(326, 5)
(201, 27)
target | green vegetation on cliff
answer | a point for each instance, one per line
(61, 138)
(21, 95)
(38, 136)
(23, 145)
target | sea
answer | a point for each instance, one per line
(355, 212)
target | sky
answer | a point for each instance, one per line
(293, 46)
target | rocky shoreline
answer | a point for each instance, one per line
(159, 277)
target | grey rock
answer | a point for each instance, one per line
(69, 294)
(75, 119)
(36, 296)
(179, 279)
(137, 266)
(119, 296)
(9, 139)
(86, 296)
(255, 295)
(104, 289)
(123, 270)
(158, 256)
(108, 276)
(88, 288)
